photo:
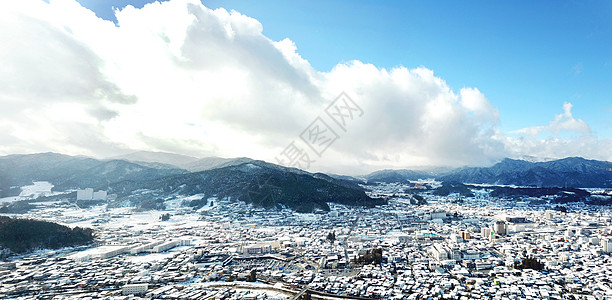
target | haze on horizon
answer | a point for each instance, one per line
(180, 77)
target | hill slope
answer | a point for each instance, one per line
(256, 182)
(24, 235)
(70, 172)
(388, 176)
(263, 184)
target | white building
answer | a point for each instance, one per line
(89, 194)
(485, 232)
(135, 289)
(500, 227)
(257, 249)
(166, 246)
(438, 214)
(607, 247)
(455, 239)
(99, 195)
(470, 255)
(145, 247)
(438, 252)
(86, 194)
(101, 252)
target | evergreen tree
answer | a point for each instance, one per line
(252, 276)
(529, 263)
(24, 235)
(331, 237)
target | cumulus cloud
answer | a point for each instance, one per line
(43, 62)
(564, 122)
(53, 90)
(476, 103)
(179, 77)
(413, 117)
(563, 136)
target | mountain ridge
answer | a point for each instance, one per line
(566, 172)
(575, 172)
(257, 182)
(67, 172)
(156, 157)
(268, 185)
(166, 160)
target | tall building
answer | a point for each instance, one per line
(465, 235)
(606, 244)
(485, 232)
(500, 227)
(86, 194)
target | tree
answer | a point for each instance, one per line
(24, 235)
(529, 263)
(165, 217)
(306, 296)
(252, 276)
(373, 256)
(331, 237)
(418, 200)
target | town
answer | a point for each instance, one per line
(452, 247)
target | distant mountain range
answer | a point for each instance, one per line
(71, 172)
(143, 177)
(388, 176)
(139, 182)
(568, 172)
(171, 160)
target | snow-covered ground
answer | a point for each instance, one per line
(151, 257)
(36, 189)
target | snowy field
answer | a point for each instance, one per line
(37, 189)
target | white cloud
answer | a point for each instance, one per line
(564, 136)
(477, 104)
(179, 77)
(564, 122)
(411, 118)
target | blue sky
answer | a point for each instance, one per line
(528, 58)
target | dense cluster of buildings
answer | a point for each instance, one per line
(476, 248)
